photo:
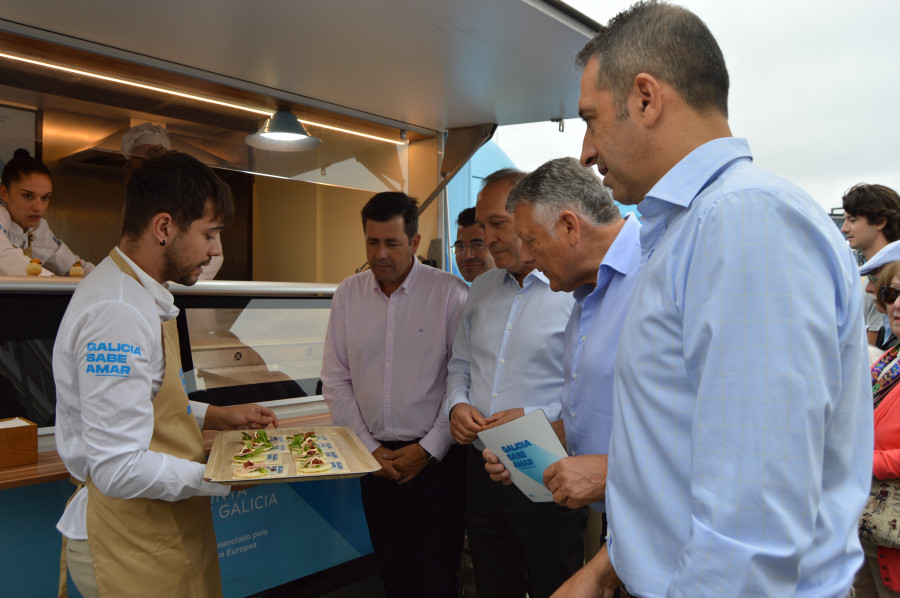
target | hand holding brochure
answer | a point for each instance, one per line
(526, 446)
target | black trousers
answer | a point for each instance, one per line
(417, 529)
(518, 545)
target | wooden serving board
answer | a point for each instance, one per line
(352, 459)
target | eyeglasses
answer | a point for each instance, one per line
(475, 246)
(873, 278)
(888, 294)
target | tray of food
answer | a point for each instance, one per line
(287, 455)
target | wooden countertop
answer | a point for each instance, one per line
(50, 468)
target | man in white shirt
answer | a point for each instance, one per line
(140, 523)
(507, 361)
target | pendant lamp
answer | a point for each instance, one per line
(282, 132)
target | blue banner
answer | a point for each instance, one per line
(268, 535)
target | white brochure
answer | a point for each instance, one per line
(526, 446)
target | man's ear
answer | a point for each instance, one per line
(646, 98)
(569, 227)
(162, 227)
(414, 244)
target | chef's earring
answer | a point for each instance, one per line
(162, 243)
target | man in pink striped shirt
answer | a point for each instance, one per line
(383, 375)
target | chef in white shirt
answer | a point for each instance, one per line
(139, 523)
(25, 190)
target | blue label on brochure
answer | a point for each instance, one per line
(530, 459)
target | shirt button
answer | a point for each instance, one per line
(501, 361)
(388, 365)
(509, 327)
(495, 395)
(572, 414)
(520, 295)
(583, 338)
(574, 376)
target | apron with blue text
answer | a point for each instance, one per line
(147, 547)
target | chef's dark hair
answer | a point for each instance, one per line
(390, 204)
(177, 184)
(22, 165)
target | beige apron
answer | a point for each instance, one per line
(147, 547)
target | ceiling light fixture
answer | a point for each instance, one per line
(282, 132)
(181, 94)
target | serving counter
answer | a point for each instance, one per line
(240, 342)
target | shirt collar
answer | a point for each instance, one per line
(690, 176)
(618, 257)
(407, 283)
(15, 231)
(684, 182)
(165, 302)
(530, 278)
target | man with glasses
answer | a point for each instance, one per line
(871, 221)
(472, 255)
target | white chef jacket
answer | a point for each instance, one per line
(56, 257)
(104, 423)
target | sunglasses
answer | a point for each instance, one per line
(888, 294)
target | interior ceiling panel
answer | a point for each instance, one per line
(435, 64)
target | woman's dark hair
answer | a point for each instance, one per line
(177, 184)
(21, 166)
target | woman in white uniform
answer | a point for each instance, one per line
(25, 190)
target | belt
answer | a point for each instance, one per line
(397, 444)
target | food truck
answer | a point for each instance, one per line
(397, 96)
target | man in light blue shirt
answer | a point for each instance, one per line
(741, 448)
(572, 230)
(507, 361)
(575, 235)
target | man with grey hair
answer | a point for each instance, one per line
(574, 232)
(507, 361)
(741, 447)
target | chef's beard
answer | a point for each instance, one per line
(177, 267)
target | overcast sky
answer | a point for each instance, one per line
(815, 88)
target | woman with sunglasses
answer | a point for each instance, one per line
(25, 190)
(886, 338)
(883, 575)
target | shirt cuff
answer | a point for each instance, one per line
(453, 401)
(551, 411)
(436, 443)
(368, 441)
(198, 410)
(213, 489)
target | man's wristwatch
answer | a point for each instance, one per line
(429, 457)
